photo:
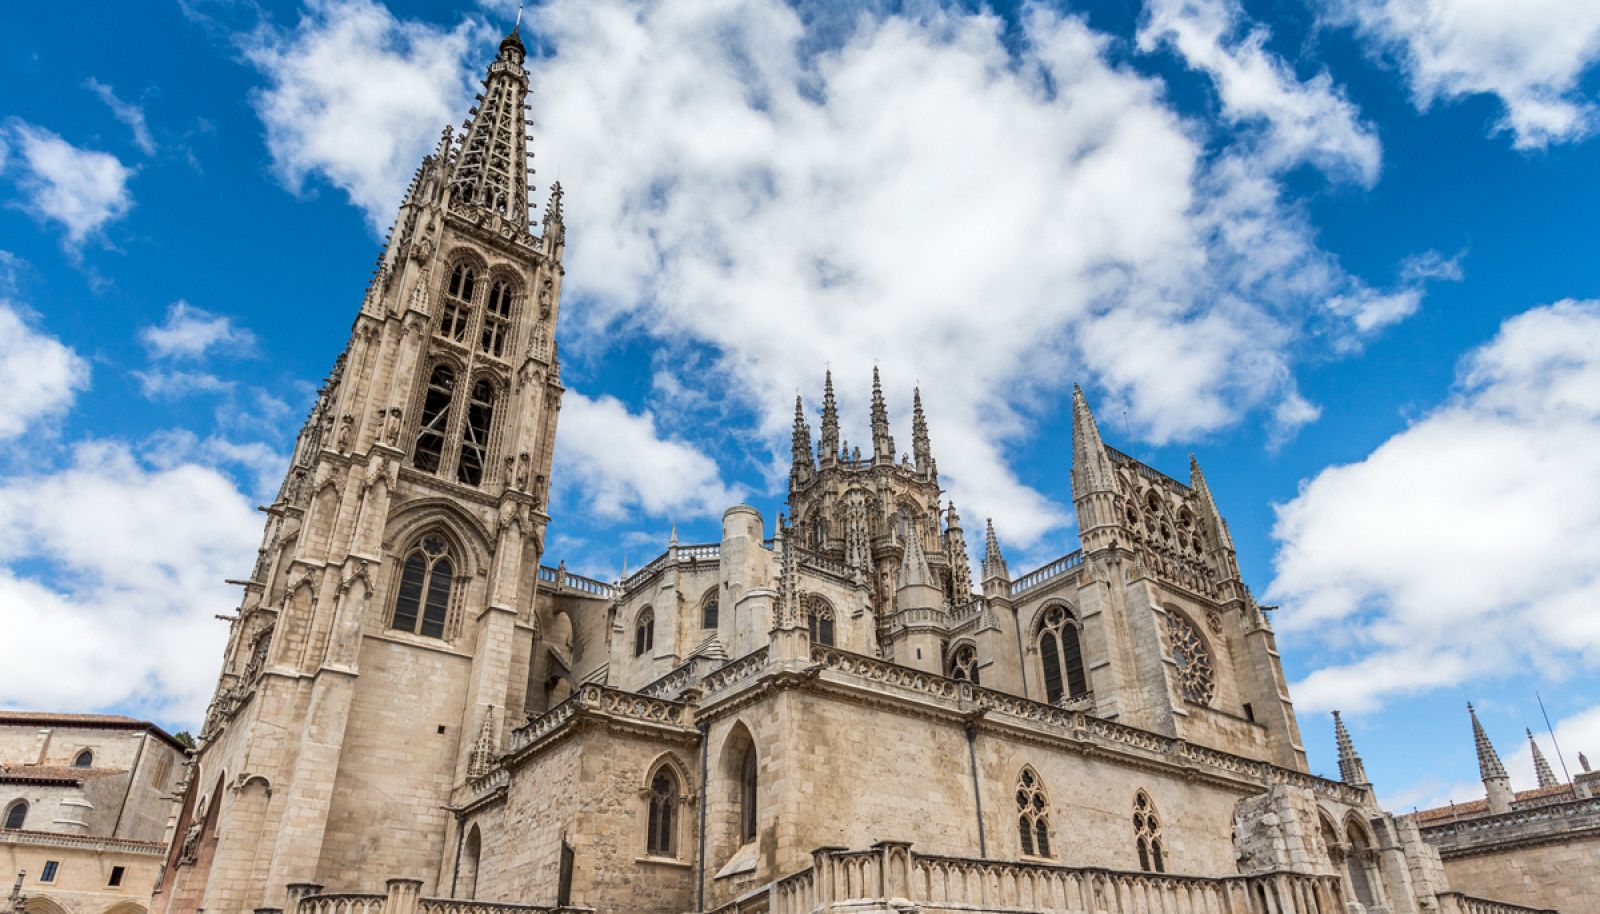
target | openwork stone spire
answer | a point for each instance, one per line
(1541, 768)
(921, 448)
(1351, 770)
(994, 564)
(882, 441)
(492, 169)
(828, 442)
(803, 469)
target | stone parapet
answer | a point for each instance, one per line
(1519, 828)
(1457, 903)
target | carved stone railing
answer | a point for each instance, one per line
(681, 676)
(1057, 568)
(889, 876)
(598, 699)
(20, 836)
(567, 580)
(1466, 904)
(814, 562)
(700, 553)
(477, 788)
(403, 898)
(342, 903)
(735, 671)
(1465, 837)
(473, 906)
(1148, 472)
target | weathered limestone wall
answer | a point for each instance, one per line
(1564, 877)
(83, 874)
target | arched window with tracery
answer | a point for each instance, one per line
(431, 434)
(422, 603)
(1033, 814)
(1061, 655)
(747, 795)
(662, 823)
(644, 632)
(496, 319)
(455, 312)
(17, 814)
(963, 665)
(1147, 834)
(85, 759)
(1196, 678)
(819, 619)
(475, 434)
(709, 610)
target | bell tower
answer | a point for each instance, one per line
(388, 622)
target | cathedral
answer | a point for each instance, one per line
(821, 711)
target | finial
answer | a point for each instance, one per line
(1489, 766)
(1541, 768)
(1351, 769)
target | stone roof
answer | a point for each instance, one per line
(1474, 808)
(91, 721)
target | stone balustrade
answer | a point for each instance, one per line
(566, 580)
(342, 903)
(1067, 563)
(19, 836)
(736, 671)
(591, 698)
(404, 897)
(1483, 834)
(1466, 904)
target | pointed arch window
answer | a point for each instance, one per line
(1061, 655)
(747, 795)
(662, 822)
(429, 452)
(1033, 814)
(964, 664)
(456, 311)
(819, 620)
(1196, 678)
(422, 604)
(496, 319)
(1147, 834)
(709, 610)
(475, 435)
(17, 814)
(644, 632)
(85, 759)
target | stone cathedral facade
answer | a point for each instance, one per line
(417, 712)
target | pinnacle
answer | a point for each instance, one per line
(1541, 767)
(1351, 769)
(1489, 767)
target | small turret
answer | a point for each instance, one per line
(803, 469)
(1495, 780)
(1351, 770)
(882, 442)
(1541, 768)
(921, 448)
(994, 564)
(828, 441)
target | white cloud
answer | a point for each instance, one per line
(194, 333)
(619, 462)
(1472, 532)
(40, 374)
(1532, 54)
(357, 97)
(1302, 120)
(128, 113)
(159, 384)
(80, 188)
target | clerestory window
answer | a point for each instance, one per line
(708, 610)
(428, 455)
(964, 664)
(663, 814)
(819, 619)
(475, 434)
(1061, 655)
(1033, 814)
(422, 603)
(644, 632)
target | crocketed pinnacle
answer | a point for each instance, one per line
(1351, 770)
(1091, 465)
(921, 448)
(828, 442)
(914, 571)
(801, 443)
(994, 564)
(952, 519)
(882, 441)
(1541, 768)
(1489, 767)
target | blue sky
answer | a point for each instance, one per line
(1340, 250)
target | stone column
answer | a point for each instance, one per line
(402, 896)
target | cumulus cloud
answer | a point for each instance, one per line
(119, 567)
(131, 115)
(358, 97)
(1406, 553)
(82, 189)
(41, 375)
(1301, 120)
(618, 462)
(1531, 54)
(194, 333)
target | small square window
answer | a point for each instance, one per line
(49, 874)
(116, 876)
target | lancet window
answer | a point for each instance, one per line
(422, 603)
(709, 610)
(1033, 815)
(1147, 834)
(497, 319)
(819, 619)
(1196, 678)
(963, 664)
(1061, 655)
(662, 820)
(431, 436)
(644, 632)
(17, 814)
(475, 434)
(456, 310)
(747, 796)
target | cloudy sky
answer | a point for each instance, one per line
(1343, 251)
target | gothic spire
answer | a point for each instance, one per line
(491, 170)
(828, 443)
(1197, 482)
(882, 441)
(921, 449)
(994, 564)
(1541, 768)
(1091, 465)
(1351, 770)
(1496, 783)
(955, 545)
(802, 469)
(914, 571)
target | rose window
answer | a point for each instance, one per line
(1195, 675)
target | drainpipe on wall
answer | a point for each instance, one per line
(1022, 657)
(977, 793)
(705, 800)
(461, 838)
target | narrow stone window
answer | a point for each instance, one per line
(48, 874)
(116, 876)
(85, 759)
(17, 814)
(663, 816)
(1033, 815)
(1147, 834)
(1061, 655)
(429, 452)
(496, 319)
(964, 664)
(747, 796)
(708, 610)
(423, 602)
(456, 311)
(819, 619)
(475, 436)
(644, 632)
